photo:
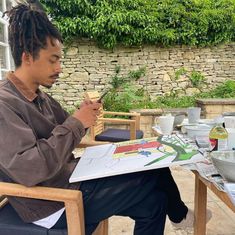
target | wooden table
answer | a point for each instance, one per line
(200, 202)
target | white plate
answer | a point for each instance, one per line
(197, 130)
(210, 122)
(185, 123)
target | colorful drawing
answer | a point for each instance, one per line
(132, 156)
(167, 145)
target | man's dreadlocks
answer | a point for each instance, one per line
(29, 27)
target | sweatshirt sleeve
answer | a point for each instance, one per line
(28, 160)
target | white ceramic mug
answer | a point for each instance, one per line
(194, 114)
(165, 123)
(229, 121)
(231, 138)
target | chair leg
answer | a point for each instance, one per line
(102, 228)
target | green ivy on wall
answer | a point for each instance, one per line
(136, 22)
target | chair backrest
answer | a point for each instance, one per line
(99, 127)
(133, 123)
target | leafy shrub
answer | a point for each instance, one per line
(124, 100)
(174, 101)
(180, 72)
(118, 80)
(225, 90)
(136, 22)
(123, 94)
(196, 78)
(132, 98)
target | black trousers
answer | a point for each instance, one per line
(143, 196)
(176, 209)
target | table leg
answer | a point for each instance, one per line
(200, 202)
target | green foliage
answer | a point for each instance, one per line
(132, 98)
(124, 100)
(136, 22)
(196, 78)
(174, 101)
(180, 72)
(225, 90)
(124, 94)
(119, 80)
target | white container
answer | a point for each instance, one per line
(231, 138)
(193, 114)
(165, 123)
(224, 162)
(197, 130)
(208, 122)
(229, 122)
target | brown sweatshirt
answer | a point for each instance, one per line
(37, 138)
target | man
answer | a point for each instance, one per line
(37, 138)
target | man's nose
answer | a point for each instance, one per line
(58, 68)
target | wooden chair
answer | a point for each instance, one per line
(73, 206)
(98, 131)
(11, 224)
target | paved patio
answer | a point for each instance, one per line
(221, 223)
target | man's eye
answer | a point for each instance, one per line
(52, 61)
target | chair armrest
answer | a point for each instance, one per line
(121, 113)
(38, 192)
(71, 198)
(117, 120)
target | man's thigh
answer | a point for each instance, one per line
(115, 195)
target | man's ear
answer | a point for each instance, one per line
(26, 58)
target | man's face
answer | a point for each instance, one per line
(45, 69)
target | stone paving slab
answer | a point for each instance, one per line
(221, 223)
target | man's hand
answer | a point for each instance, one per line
(87, 114)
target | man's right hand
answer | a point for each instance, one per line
(87, 114)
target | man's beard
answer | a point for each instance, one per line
(47, 86)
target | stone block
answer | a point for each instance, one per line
(166, 77)
(71, 51)
(79, 76)
(164, 55)
(189, 55)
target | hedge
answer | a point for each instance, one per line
(138, 22)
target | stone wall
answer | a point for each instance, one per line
(87, 67)
(211, 108)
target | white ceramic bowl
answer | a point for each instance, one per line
(224, 162)
(209, 122)
(197, 130)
